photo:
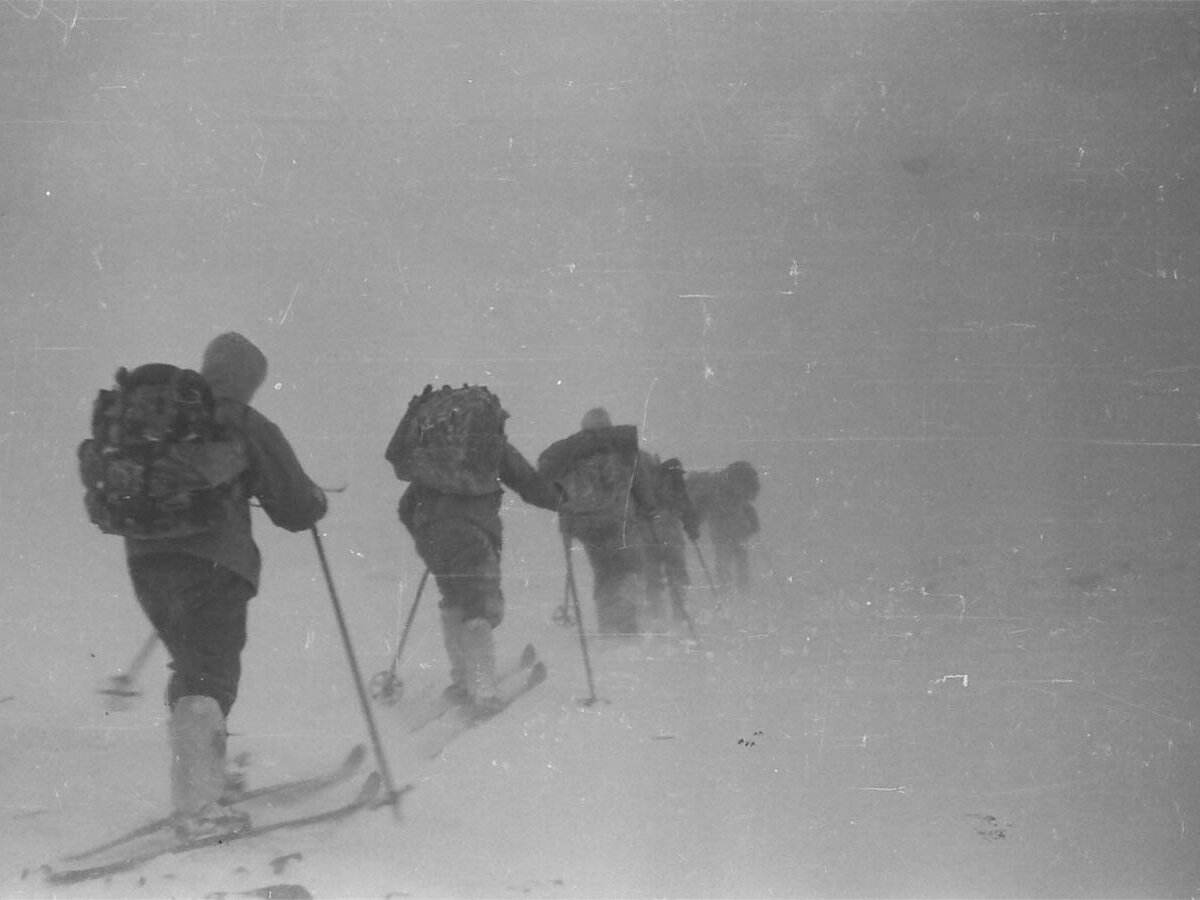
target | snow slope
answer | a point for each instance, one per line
(1009, 714)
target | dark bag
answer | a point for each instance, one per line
(741, 478)
(158, 464)
(451, 440)
(595, 468)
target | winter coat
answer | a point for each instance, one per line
(420, 505)
(234, 369)
(671, 493)
(722, 503)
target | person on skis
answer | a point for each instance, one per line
(451, 508)
(609, 508)
(666, 557)
(195, 590)
(724, 500)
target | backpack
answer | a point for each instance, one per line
(742, 479)
(158, 464)
(451, 440)
(596, 470)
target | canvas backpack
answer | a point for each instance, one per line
(595, 469)
(158, 464)
(451, 440)
(741, 478)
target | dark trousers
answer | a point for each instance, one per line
(199, 611)
(732, 564)
(465, 562)
(666, 564)
(617, 555)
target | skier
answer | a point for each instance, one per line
(725, 502)
(195, 590)
(609, 508)
(458, 534)
(666, 560)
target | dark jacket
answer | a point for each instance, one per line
(672, 495)
(723, 504)
(420, 505)
(234, 369)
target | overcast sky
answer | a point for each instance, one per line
(745, 228)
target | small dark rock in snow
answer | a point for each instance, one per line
(990, 827)
(279, 863)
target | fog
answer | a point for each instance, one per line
(750, 229)
(932, 267)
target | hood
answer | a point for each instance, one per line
(595, 419)
(233, 367)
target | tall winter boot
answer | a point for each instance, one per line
(197, 729)
(452, 634)
(479, 655)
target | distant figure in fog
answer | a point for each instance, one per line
(666, 557)
(724, 501)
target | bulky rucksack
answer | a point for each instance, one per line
(158, 464)
(595, 469)
(451, 439)
(742, 479)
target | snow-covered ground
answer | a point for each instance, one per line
(990, 696)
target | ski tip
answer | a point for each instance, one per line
(538, 674)
(370, 787)
(528, 656)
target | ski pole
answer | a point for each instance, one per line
(681, 610)
(562, 613)
(587, 663)
(123, 685)
(703, 565)
(386, 686)
(392, 794)
(143, 654)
